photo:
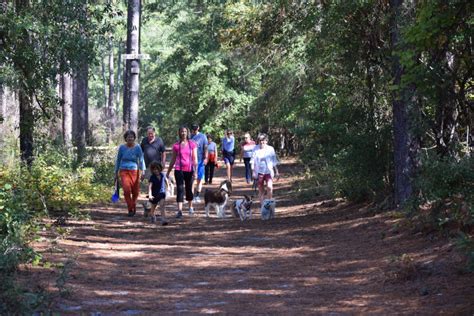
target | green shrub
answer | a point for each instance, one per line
(446, 190)
(52, 186)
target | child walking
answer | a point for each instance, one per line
(157, 191)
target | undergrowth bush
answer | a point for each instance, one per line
(446, 198)
(51, 187)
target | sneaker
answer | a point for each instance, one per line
(131, 213)
(191, 211)
(153, 219)
(197, 199)
(179, 214)
(164, 222)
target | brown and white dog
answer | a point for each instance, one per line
(218, 198)
(242, 208)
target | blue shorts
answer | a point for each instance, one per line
(200, 171)
(229, 157)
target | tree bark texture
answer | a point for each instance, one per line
(80, 112)
(404, 104)
(133, 66)
(66, 96)
(111, 105)
(26, 126)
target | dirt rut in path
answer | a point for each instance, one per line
(311, 259)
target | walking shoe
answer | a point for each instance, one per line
(179, 214)
(153, 219)
(197, 199)
(191, 211)
(131, 213)
(164, 222)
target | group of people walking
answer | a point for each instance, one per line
(194, 157)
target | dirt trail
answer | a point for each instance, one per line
(314, 258)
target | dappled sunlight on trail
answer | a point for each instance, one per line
(313, 258)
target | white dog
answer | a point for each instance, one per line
(268, 209)
(242, 208)
(170, 188)
(218, 198)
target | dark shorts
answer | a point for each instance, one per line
(157, 199)
(229, 157)
(262, 178)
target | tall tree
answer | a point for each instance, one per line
(66, 107)
(111, 100)
(406, 143)
(132, 66)
(80, 112)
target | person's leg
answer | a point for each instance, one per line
(163, 213)
(179, 178)
(188, 185)
(248, 170)
(135, 188)
(152, 212)
(211, 171)
(126, 180)
(200, 177)
(269, 181)
(261, 189)
(207, 171)
(144, 187)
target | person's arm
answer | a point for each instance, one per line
(195, 161)
(163, 157)
(141, 164)
(275, 163)
(206, 152)
(173, 160)
(150, 192)
(117, 162)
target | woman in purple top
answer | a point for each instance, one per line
(184, 161)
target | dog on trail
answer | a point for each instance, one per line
(268, 209)
(170, 187)
(218, 198)
(242, 208)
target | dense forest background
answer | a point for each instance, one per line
(375, 98)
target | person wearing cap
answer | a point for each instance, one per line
(201, 141)
(228, 152)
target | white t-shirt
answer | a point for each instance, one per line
(264, 160)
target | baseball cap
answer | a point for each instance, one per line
(194, 127)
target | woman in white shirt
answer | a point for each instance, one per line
(265, 169)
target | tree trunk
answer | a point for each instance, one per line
(80, 105)
(26, 126)
(119, 79)
(111, 105)
(66, 96)
(104, 85)
(404, 105)
(133, 66)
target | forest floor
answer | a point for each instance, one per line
(316, 257)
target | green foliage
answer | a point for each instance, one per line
(50, 187)
(466, 244)
(445, 188)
